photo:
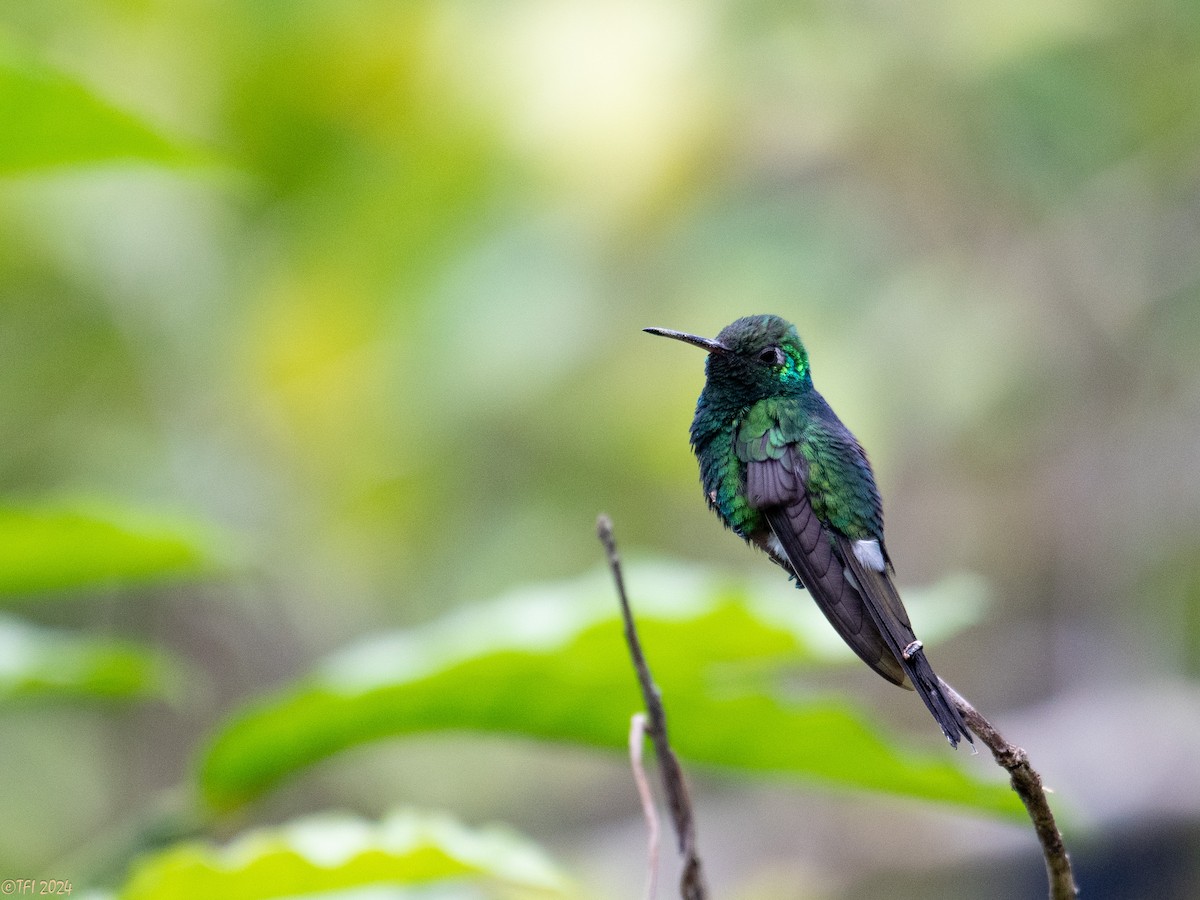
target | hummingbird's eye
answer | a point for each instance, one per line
(772, 356)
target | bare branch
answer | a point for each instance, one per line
(1028, 785)
(637, 740)
(691, 884)
(1025, 780)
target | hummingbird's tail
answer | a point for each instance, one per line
(926, 683)
(887, 612)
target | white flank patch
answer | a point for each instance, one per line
(776, 547)
(868, 553)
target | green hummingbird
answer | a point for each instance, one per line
(783, 472)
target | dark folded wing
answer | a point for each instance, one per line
(859, 600)
(776, 486)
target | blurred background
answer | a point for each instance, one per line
(380, 328)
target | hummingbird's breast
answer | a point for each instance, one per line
(723, 475)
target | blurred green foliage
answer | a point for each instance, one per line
(330, 856)
(549, 662)
(52, 549)
(359, 287)
(43, 664)
(54, 120)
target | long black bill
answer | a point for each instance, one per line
(703, 343)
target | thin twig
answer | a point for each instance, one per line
(1028, 785)
(691, 884)
(637, 740)
(1025, 780)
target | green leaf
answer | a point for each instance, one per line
(50, 119)
(321, 855)
(47, 663)
(61, 548)
(550, 662)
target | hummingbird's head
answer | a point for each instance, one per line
(754, 357)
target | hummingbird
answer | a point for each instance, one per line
(781, 471)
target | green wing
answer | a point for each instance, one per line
(771, 442)
(838, 478)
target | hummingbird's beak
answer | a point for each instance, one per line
(703, 343)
